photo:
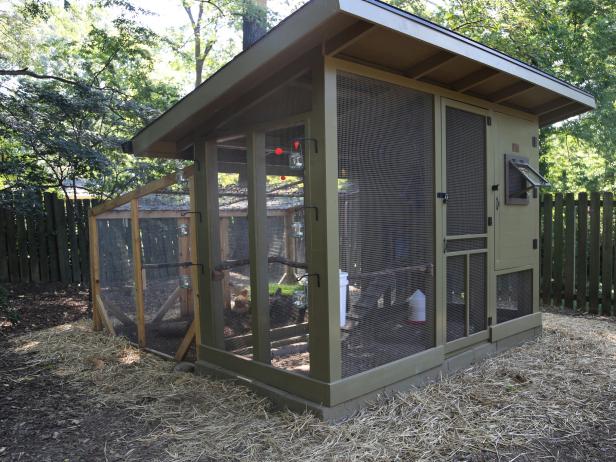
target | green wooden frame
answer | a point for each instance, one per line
(324, 383)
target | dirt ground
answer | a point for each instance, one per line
(69, 394)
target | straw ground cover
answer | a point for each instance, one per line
(551, 399)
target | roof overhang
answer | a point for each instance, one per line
(375, 34)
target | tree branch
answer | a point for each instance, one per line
(26, 72)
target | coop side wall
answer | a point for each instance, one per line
(325, 390)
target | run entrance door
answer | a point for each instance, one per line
(465, 167)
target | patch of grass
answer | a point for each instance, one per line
(286, 289)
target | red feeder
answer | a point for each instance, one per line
(278, 151)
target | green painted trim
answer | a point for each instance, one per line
(466, 342)
(297, 384)
(466, 252)
(515, 326)
(322, 247)
(387, 374)
(466, 236)
(257, 225)
(211, 321)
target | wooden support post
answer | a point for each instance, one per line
(322, 235)
(581, 262)
(94, 271)
(196, 269)
(569, 250)
(224, 254)
(104, 316)
(210, 324)
(180, 354)
(136, 246)
(257, 223)
(595, 244)
(607, 246)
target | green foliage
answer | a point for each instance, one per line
(572, 39)
(94, 89)
(285, 289)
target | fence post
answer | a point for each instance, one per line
(136, 244)
(60, 230)
(606, 250)
(547, 248)
(595, 256)
(581, 276)
(569, 266)
(557, 269)
(4, 259)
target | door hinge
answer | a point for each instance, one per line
(489, 320)
(489, 120)
(442, 195)
(535, 243)
(489, 221)
(494, 187)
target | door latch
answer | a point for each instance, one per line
(442, 195)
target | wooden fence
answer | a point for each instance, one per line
(46, 241)
(577, 257)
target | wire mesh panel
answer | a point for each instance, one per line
(466, 164)
(478, 292)
(456, 297)
(167, 284)
(386, 218)
(288, 298)
(465, 136)
(514, 295)
(117, 281)
(234, 244)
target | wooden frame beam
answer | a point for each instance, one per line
(474, 78)
(257, 225)
(550, 106)
(104, 316)
(429, 64)
(138, 269)
(180, 354)
(206, 253)
(347, 37)
(510, 91)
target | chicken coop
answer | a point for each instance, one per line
(362, 212)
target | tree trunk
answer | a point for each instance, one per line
(254, 22)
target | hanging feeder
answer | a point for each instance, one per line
(300, 299)
(180, 176)
(183, 230)
(296, 157)
(185, 281)
(298, 229)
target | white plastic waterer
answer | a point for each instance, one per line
(417, 307)
(344, 282)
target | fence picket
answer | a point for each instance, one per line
(595, 255)
(547, 249)
(582, 253)
(606, 251)
(569, 253)
(61, 240)
(557, 267)
(4, 255)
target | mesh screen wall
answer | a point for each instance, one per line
(288, 298)
(234, 243)
(167, 281)
(514, 295)
(465, 148)
(465, 136)
(386, 218)
(117, 277)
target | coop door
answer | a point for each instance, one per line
(466, 219)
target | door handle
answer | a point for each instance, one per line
(497, 203)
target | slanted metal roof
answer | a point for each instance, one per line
(378, 35)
